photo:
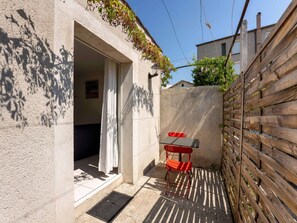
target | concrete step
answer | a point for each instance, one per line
(96, 196)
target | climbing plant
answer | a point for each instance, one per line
(212, 71)
(117, 13)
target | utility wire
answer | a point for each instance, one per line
(208, 25)
(201, 23)
(201, 26)
(181, 49)
(232, 14)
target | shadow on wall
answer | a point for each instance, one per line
(29, 59)
(197, 113)
(187, 113)
(139, 98)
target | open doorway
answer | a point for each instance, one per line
(89, 69)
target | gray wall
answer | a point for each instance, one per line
(214, 48)
(197, 112)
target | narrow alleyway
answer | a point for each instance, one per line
(207, 200)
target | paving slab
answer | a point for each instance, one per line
(207, 199)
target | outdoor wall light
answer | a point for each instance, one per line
(155, 69)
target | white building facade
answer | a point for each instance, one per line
(48, 87)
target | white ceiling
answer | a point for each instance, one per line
(86, 58)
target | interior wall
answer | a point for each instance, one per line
(87, 68)
(87, 110)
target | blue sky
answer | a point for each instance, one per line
(185, 15)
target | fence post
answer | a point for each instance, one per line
(240, 145)
(243, 64)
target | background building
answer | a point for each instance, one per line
(182, 83)
(220, 47)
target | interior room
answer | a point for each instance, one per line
(88, 100)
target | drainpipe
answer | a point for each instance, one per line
(258, 32)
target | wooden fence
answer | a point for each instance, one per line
(259, 162)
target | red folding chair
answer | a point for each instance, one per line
(178, 166)
(177, 134)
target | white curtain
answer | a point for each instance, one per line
(108, 154)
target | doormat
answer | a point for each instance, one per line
(110, 206)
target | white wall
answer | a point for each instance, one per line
(27, 174)
(37, 161)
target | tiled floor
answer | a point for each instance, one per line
(207, 200)
(87, 179)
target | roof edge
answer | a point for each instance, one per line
(141, 24)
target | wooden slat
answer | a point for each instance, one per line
(281, 165)
(246, 206)
(282, 187)
(270, 74)
(282, 145)
(288, 108)
(262, 196)
(259, 162)
(284, 25)
(252, 200)
(287, 67)
(282, 193)
(287, 121)
(288, 81)
(282, 133)
(283, 96)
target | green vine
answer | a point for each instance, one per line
(117, 13)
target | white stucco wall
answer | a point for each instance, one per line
(37, 160)
(27, 175)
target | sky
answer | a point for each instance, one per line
(186, 17)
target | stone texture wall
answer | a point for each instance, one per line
(36, 109)
(197, 112)
(27, 175)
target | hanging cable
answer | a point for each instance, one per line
(201, 23)
(181, 49)
(232, 13)
(209, 26)
(201, 26)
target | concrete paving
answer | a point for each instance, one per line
(87, 178)
(207, 199)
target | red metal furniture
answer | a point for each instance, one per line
(177, 134)
(178, 166)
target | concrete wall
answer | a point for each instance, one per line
(197, 112)
(37, 158)
(27, 174)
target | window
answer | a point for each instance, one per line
(182, 85)
(236, 48)
(236, 67)
(223, 49)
